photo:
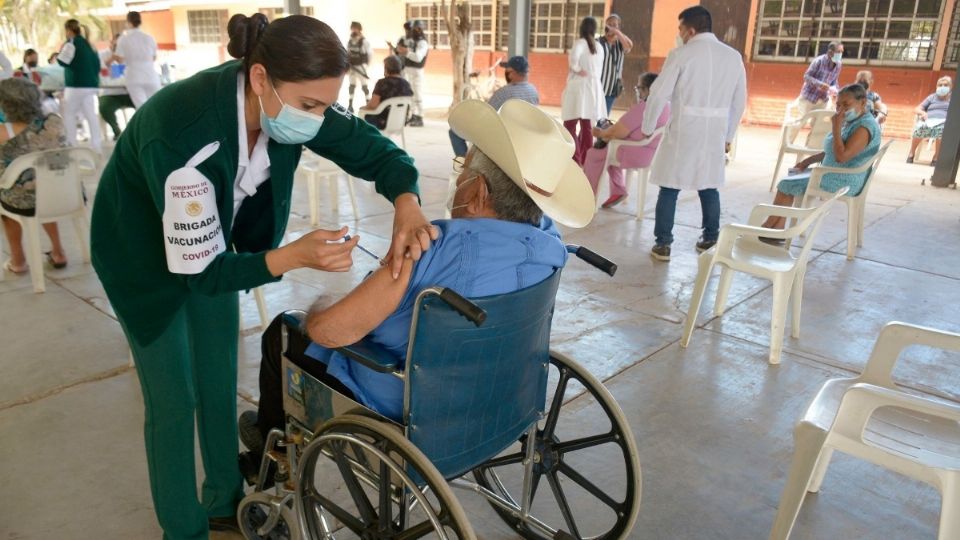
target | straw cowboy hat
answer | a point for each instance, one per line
(534, 150)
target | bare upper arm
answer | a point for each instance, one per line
(361, 310)
(854, 144)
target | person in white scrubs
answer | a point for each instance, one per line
(706, 85)
(137, 50)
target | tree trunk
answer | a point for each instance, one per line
(460, 32)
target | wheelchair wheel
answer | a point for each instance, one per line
(376, 484)
(258, 509)
(572, 443)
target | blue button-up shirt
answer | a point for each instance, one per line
(475, 257)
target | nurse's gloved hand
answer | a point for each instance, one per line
(320, 250)
(412, 233)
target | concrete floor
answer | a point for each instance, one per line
(713, 422)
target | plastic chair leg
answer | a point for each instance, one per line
(861, 210)
(950, 507)
(334, 194)
(807, 446)
(781, 296)
(796, 302)
(820, 471)
(261, 308)
(705, 265)
(403, 139)
(723, 289)
(82, 225)
(852, 226)
(353, 198)
(314, 198)
(776, 171)
(642, 178)
(34, 253)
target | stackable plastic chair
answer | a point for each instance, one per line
(820, 125)
(318, 168)
(396, 118)
(739, 248)
(856, 204)
(871, 418)
(59, 195)
(642, 174)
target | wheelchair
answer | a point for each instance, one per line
(477, 416)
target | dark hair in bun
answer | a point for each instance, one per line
(292, 49)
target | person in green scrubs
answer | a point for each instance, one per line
(191, 209)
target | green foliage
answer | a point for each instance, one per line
(39, 23)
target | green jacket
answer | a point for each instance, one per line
(127, 234)
(84, 70)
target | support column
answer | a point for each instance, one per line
(519, 43)
(291, 7)
(945, 173)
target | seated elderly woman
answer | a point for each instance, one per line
(853, 141)
(499, 240)
(931, 116)
(26, 130)
(628, 128)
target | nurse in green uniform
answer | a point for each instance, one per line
(206, 167)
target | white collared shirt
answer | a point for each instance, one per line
(138, 51)
(253, 169)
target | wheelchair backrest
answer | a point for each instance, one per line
(473, 391)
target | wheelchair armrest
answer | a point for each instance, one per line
(371, 355)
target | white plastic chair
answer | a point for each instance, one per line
(59, 195)
(871, 418)
(856, 204)
(318, 168)
(642, 174)
(739, 248)
(820, 125)
(396, 118)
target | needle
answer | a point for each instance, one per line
(363, 249)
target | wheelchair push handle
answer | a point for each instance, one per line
(468, 309)
(596, 260)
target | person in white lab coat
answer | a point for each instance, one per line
(582, 102)
(705, 83)
(137, 51)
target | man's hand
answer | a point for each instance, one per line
(412, 233)
(402, 49)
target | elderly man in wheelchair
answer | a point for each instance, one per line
(373, 407)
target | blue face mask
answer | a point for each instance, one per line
(837, 58)
(291, 126)
(850, 116)
(942, 91)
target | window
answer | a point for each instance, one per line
(503, 25)
(481, 14)
(554, 24)
(277, 12)
(953, 42)
(206, 26)
(875, 31)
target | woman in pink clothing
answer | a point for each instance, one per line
(628, 127)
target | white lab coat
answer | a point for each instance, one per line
(139, 52)
(583, 95)
(706, 85)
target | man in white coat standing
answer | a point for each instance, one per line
(706, 85)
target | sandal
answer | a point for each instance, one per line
(53, 263)
(8, 266)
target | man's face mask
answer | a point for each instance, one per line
(452, 194)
